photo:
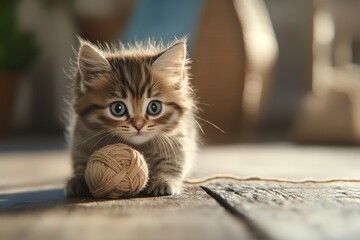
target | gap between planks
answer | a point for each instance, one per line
(254, 229)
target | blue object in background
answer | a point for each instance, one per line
(163, 20)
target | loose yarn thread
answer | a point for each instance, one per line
(261, 179)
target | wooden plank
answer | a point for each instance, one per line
(47, 214)
(293, 211)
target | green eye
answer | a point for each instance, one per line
(118, 109)
(154, 108)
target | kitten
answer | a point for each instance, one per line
(138, 95)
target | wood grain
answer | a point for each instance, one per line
(293, 211)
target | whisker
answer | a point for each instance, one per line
(173, 145)
(201, 129)
(100, 140)
(200, 142)
(163, 143)
(114, 134)
(212, 124)
(118, 137)
(204, 104)
(167, 145)
(93, 136)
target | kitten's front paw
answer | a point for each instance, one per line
(162, 188)
(77, 187)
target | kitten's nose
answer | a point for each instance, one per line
(138, 124)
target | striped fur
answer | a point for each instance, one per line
(134, 75)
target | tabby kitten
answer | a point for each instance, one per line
(138, 95)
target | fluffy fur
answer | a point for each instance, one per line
(135, 78)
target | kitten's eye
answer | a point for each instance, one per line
(118, 109)
(154, 108)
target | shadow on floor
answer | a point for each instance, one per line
(32, 200)
(39, 200)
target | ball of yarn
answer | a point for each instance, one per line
(116, 171)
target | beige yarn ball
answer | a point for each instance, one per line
(116, 171)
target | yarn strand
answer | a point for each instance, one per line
(198, 182)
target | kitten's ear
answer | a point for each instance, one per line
(172, 61)
(91, 63)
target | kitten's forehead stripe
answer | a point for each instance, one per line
(145, 80)
(123, 93)
(149, 92)
(146, 84)
(114, 93)
(133, 76)
(143, 74)
(124, 82)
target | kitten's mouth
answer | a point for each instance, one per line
(138, 134)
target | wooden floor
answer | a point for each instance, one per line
(33, 206)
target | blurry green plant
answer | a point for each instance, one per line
(18, 49)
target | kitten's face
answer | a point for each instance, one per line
(131, 97)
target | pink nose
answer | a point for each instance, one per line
(138, 125)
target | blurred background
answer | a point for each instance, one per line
(264, 70)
